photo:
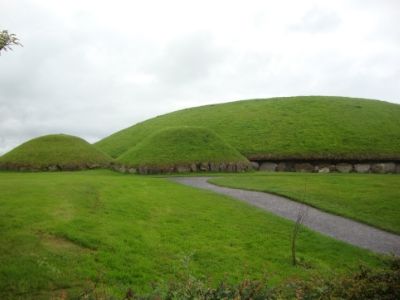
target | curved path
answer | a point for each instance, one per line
(340, 228)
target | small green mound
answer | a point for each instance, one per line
(54, 152)
(184, 149)
(309, 127)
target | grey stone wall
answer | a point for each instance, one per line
(194, 167)
(327, 167)
(51, 168)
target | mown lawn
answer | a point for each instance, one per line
(63, 232)
(370, 198)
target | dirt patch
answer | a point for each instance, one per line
(61, 244)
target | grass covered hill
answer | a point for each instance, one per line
(52, 152)
(309, 127)
(188, 148)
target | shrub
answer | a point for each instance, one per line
(364, 284)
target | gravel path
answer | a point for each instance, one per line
(337, 227)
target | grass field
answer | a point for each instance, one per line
(55, 149)
(370, 198)
(180, 146)
(63, 231)
(295, 127)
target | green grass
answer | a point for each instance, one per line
(313, 127)
(64, 231)
(370, 198)
(57, 149)
(180, 146)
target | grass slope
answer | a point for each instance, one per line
(61, 232)
(179, 146)
(283, 128)
(58, 149)
(370, 198)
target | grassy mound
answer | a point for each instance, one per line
(313, 127)
(54, 152)
(186, 148)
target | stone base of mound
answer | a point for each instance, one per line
(50, 168)
(188, 168)
(380, 167)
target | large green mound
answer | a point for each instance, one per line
(184, 149)
(54, 152)
(312, 127)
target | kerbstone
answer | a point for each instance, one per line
(255, 165)
(324, 170)
(183, 169)
(303, 167)
(362, 168)
(388, 167)
(344, 168)
(268, 166)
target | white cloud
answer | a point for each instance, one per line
(318, 20)
(90, 68)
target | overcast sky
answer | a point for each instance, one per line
(90, 68)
